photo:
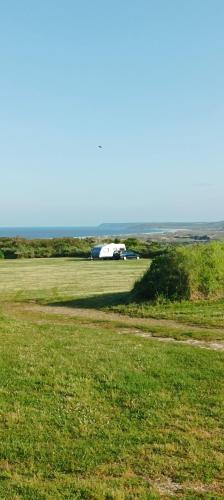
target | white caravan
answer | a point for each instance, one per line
(107, 251)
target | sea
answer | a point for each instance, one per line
(44, 232)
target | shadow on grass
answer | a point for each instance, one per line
(95, 301)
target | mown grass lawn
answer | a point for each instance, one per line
(98, 285)
(86, 413)
(61, 279)
(90, 411)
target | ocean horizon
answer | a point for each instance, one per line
(49, 232)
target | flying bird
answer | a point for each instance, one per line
(100, 147)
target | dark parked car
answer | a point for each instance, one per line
(129, 255)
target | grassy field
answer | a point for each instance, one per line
(97, 285)
(90, 409)
(208, 313)
(61, 279)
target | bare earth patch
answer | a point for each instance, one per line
(215, 346)
(168, 488)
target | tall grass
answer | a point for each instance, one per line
(184, 273)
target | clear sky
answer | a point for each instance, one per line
(142, 78)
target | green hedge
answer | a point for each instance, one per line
(17, 248)
(190, 273)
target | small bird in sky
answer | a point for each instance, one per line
(100, 147)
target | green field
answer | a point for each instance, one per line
(52, 279)
(92, 405)
(209, 313)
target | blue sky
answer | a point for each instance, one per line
(144, 79)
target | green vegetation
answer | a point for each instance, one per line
(184, 273)
(17, 248)
(62, 279)
(144, 248)
(206, 313)
(20, 248)
(97, 285)
(92, 409)
(88, 413)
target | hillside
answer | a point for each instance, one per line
(140, 227)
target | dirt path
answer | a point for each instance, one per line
(96, 314)
(214, 346)
(125, 324)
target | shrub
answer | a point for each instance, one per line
(10, 253)
(184, 273)
(145, 249)
(1, 255)
(18, 248)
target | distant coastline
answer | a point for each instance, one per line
(107, 229)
